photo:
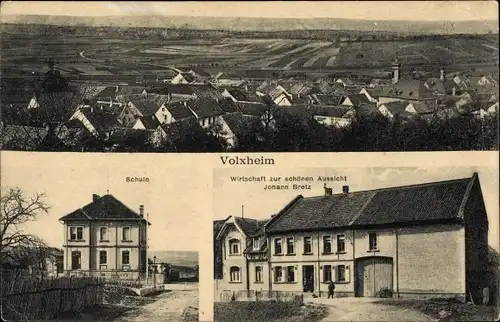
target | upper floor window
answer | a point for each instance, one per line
(234, 274)
(277, 247)
(234, 247)
(290, 247)
(372, 239)
(307, 245)
(103, 233)
(327, 244)
(256, 243)
(340, 243)
(126, 233)
(76, 233)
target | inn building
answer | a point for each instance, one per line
(105, 238)
(416, 241)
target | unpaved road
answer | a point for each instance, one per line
(168, 307)
(363, 309)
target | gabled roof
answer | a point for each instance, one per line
(409, 89)
(150, 122)
(328, 99)
(102, 121)
(179, 111)
(180, 89)
(147, 106)
(330, 111)
(106, 207)
(228, 106)
(205, 107)
(358, 99)
(429, 202)
(251, 109)
(397, 107)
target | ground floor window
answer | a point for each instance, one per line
(341, 277)
(103, 259)
(234, 274)
(278, 274)
(327, 273)
(290, 274)
(76, 260)
(258, 273)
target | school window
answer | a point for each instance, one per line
(126, 233)
(125, 257)
(327, 244)
(76, 233)
(278, 274)
(277, 246)
(103, 259)
(290, 274)
(258, 273)
(372, 238)
(234, 274)
(290, 249)
(340, 243)
(341, 273)
(327, 273)
(103, 233)
(76, 260)
(307, 245)
(234, 247)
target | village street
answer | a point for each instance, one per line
(364, 309)
(168, 307)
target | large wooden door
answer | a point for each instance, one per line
(372, 274)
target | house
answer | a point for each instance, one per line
(106, 238)
(149, 122)
(98, 122)
(421, 240)
(206, 111)
(238, 95)
(183, 78)
(379, 82)
(403, 109)
(243, 255)
(482, 80)
(36, 260)
(153, 105)
(406, 90)
(327, 99)
(369, 95)
(345, 82)
(336, 116)
(280, 96)
(355, 100)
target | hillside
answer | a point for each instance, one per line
(182, 258)
(260, 24)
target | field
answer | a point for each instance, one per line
(26, 54)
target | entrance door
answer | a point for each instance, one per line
(372, 274)
(308, 278)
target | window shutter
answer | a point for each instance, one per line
(334, 275)
(347, 273)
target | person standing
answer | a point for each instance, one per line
(331, 289)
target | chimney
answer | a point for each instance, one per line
(441, 77)
(116, 88)
(141, 211)
(328, 191)
(345, 189)
(95, 197)
(454, 91)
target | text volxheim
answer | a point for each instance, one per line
(238, 160)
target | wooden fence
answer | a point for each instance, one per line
(27, 297)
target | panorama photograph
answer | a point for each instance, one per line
(249, 77)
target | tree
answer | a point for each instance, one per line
(16, 210)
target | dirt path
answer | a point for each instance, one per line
(167, 308)
(363, 309)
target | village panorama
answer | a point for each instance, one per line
(89, 87)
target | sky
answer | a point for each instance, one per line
(373, 10)
(229, 197)
(69, 180)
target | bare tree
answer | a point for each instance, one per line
(16, 210)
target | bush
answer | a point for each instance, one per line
(384, 292)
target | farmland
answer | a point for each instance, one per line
(82, 54)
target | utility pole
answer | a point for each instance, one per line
(147, 246)
(242, 211)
